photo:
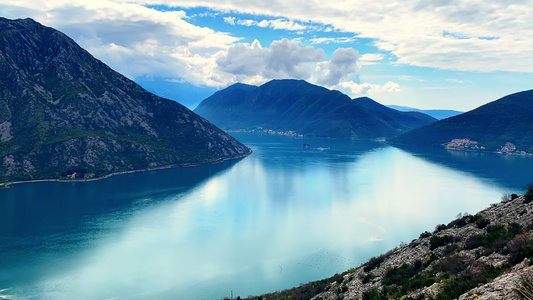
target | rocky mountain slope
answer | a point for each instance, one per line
(484, 256)
(302, 108)
(65, 113)
(503, 125)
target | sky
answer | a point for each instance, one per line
(436, 54)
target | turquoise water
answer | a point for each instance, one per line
(283, 216)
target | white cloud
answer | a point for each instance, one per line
(283, 59)
(229, 20)
(331, 40)
(343, 63)
(371, 58)
(468, 35)
(133, 39)
(274, 24)
(362, 89)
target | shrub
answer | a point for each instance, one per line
(425, 234)
(452, 265)
(439, 228)
(473, 242)
(528, 195)
(439, 241)
(366, 278)
(399, 275)
(456, 286)
(450, 248)
(373, 294)
(481, 222)
(520, 247)
(432, 257)
(525, 288)
(373, 263)
(506, 198)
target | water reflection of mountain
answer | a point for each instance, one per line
(56, 205)
(278, 151)
(509, 171)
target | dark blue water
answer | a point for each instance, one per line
(280, 217)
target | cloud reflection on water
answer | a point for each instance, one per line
(264, 225)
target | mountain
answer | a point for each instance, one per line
(303, 108)
(435, 113)
(63, 112)
(483, 256)
(411, 119)
(185, 93)
(503, 125)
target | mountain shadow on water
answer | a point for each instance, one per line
(78, 201)
(65, 113)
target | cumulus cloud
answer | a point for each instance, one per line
(133, 39)
(137, 40)
(360, 89)
(468, 35)
(283, 59)
(343, 63)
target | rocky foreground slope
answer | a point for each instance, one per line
(64, 113)
(484, 256)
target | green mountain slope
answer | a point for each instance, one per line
(298, 106)
(493, 125)
(63, 111)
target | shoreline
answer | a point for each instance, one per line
(66, 180)
(444, 147)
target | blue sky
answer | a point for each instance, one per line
(447, 54)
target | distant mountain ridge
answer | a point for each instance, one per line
(306, 109)
(435, 113)
(63, 112)
(504, 125)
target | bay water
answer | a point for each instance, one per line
(284, 216)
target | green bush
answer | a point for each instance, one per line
(439, 241)
(373, 263)
(366, 278)
(528, 195)
(439, 228)
(373, 294)
(520, 247)
(425, 234)
(481, 222)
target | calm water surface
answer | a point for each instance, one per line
(278, 218)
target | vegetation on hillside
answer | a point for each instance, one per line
(65, 113)
(492, 126)
(302, 108)
(461, 258)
